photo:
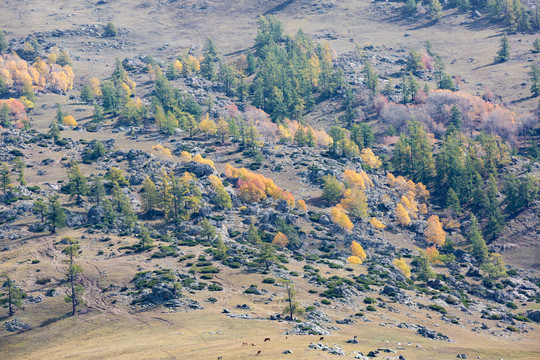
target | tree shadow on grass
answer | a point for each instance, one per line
(55, 319)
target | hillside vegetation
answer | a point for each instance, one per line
(299, 180)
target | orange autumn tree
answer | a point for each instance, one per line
(355, 260)
(433, 255)
(434, 231)
(280, 239)
(253, 187)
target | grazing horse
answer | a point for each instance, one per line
(244, 343)
(321, 338)
(258, 352)
(266, 339)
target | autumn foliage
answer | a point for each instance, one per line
(69, 120)
(20, 75)
(358, 251)
(301, 205)
(434, 231)
(280, 239)
(369, 158)
(377, 224)
(340, 218)
(185, 156)
(433, 255)
(355, 260)
(253, 187)
(360, 180)
(160, 149)
(402, 215)
(403, 267)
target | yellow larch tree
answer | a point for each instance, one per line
(69, 120)
(340, 218)
(369, 158)
(301, 205)
(434, 231)
(358, 250)
(402, 215)
(377, 224)
(403, 267)
(433, 255)
(355, 202)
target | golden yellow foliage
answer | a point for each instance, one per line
(19, 74)
(185, 156)
(280, 239)
(95, 87)
(287, 196)
(355, 202)
(199, 159)
(355, 260)
(69, 120)
(390, 179)
(421, 192)
(401, 183)
(301, 205)
(434, 231)
(433, 255)
(377, 224)
(422, 209)
(28, 105)
(264, 185)
(369, 158)
(451, 224)
(191, 64)
(178, 65)
(160, 149)
(403, 267)
(354, 179)
(340, 218)
(410, 204)
(208, 126)
(215, 181)
(402, 215)
(358, 250)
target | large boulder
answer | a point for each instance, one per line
(534, 315)
(198, 169)
(95, 215)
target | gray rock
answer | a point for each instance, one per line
(352, 341)
(287, 352)
(200, 170)
(16, 325)
(95, 215)
(534, 315)
(345, 321)
(137, 178)
(307, 328)
(8, 216)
